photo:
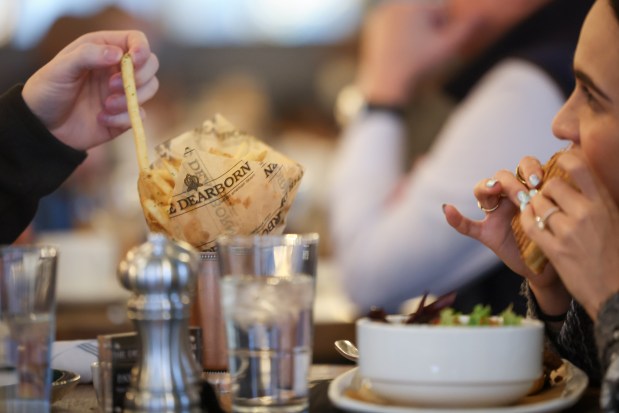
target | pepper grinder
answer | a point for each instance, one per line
(160, 274)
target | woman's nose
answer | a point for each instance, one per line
(565, 125)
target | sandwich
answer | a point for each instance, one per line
(530, 253)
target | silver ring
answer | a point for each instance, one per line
(541, 220)
(488, 210)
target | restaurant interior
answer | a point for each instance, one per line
(273, 68)
(283, 71)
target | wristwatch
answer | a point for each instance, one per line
(350, 102)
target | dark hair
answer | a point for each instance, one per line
(615, 5)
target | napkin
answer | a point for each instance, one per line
(75, 356)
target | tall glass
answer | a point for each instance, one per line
(267, 292)
(27, 327)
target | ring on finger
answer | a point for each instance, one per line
(541, 220)
(519, 177)
(488, 210)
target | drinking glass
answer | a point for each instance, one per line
(267, 292)
(27, 326)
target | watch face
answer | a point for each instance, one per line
(348, 103)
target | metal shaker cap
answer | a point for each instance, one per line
(160, 267)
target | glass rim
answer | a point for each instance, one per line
(257, 240)
(46, 250)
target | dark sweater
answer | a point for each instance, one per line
(33, 163)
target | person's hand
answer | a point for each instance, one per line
(502, 196)
(581, 240)
(79, 94)
(404, 40)
(499, 196)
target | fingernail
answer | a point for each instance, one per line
(491, 183)
(523, 196)
(534, 180)
(524, 199)
(112, 54)
(103, 118)
(533, 192)
(116, 82)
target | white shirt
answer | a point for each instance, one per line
(390, 248)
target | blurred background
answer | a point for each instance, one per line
(274, 68)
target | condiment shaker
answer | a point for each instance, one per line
(208, 302)
(160, 274)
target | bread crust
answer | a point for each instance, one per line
(530, 253)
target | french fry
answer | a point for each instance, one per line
(154, 185)
(133, 107)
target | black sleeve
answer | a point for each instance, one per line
(33, 163)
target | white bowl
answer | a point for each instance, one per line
(445, 366)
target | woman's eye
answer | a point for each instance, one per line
(588, 94)
(591, 99)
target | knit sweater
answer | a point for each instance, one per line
(594, 348)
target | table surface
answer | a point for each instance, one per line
(82, 399)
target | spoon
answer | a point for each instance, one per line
(347, 349)
(350, 352)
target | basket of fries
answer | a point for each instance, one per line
(212, 180)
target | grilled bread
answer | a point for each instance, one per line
(531, 254)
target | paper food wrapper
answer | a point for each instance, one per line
(225, 182)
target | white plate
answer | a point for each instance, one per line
(558, 397)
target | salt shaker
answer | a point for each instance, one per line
(160, 274)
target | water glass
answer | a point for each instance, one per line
(267, 292)
(27, 327)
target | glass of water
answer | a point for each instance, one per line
(267, 292)
(27, 326)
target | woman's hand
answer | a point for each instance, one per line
(79, 94)
(581, 240)
(507, 194)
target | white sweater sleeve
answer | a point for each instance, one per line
(391, 240)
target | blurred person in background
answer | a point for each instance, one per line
(73, 103)
(390, 240)
(575, 223)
